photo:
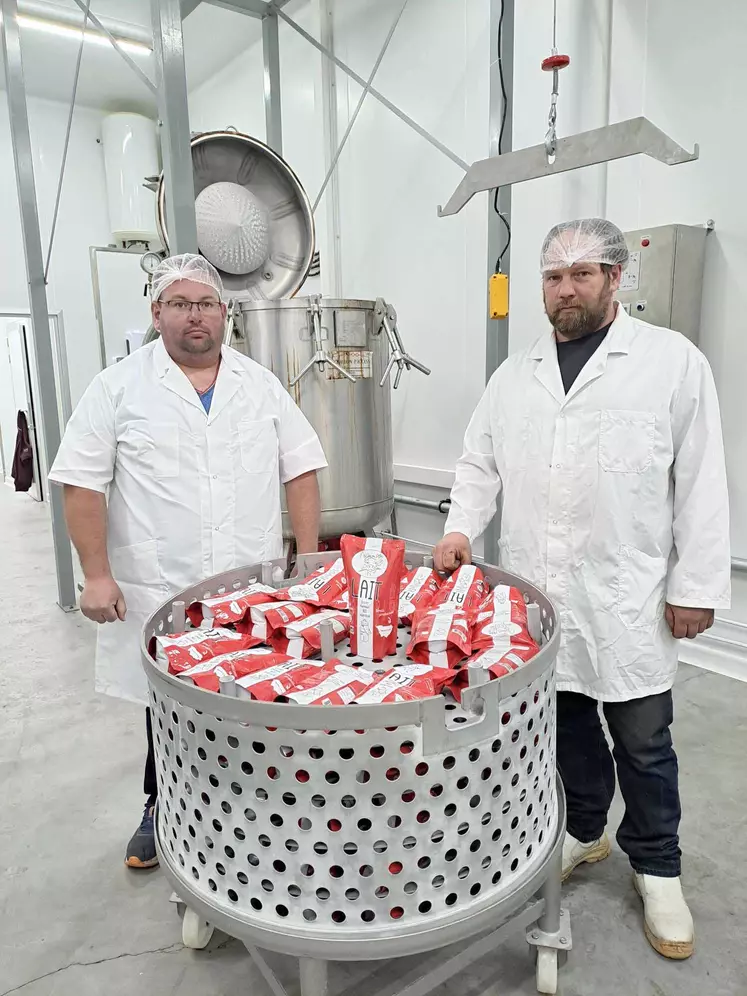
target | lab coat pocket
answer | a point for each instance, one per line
(626, 441)
(136, 564)
(258, 442)
(165, 452)
(641, 584)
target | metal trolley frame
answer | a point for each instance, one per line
(261, 801)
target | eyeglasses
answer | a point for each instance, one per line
(185, 307)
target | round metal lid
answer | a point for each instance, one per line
(231, 157)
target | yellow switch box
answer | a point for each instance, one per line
(498, 295)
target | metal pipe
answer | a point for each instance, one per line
(739, 565)
(501, 141)
(375, 93)
(441, 506)
(358, 106)
(66, 145)
(47, 395)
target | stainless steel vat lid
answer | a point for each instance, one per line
(228, 156)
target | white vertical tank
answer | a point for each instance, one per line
(130, 155)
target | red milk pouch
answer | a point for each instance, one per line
(276, 681)
(374, 569)
(267, 617)
(501, 619)
(237, 665)
(417, 591)
(440, 637)
(498, 661)
(405, 683)
(183, 650)
(465, 589)
(334, 684)
(327, 587)
(304, 638)
(220, 610)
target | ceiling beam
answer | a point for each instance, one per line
(254, 8)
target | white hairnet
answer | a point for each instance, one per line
(232, 227)
(186, 266)
(588, 240)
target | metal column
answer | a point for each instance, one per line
(47, 395)
(173, 123)
(273, 106)
(496, 337)
(332, 265)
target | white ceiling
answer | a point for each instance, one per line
(212, 37)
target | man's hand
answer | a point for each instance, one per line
(102, 601)
(688, 622)
(453, 551)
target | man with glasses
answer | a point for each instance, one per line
(172, 464)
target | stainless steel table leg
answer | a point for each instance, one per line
(314, 977)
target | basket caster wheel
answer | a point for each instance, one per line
(196, 932)
(547, 970)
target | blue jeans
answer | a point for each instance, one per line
(646, 768)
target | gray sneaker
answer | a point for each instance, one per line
(141, 851)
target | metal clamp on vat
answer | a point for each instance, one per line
(387, 317)
(321, 356)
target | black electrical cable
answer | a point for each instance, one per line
(504, 112)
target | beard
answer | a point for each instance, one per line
(577, 320)
(198, 346)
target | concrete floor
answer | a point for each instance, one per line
(75, 922)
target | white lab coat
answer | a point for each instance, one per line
(190, 494)
(614, 497)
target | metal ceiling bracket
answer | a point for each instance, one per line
(638, 136)
(254, 8)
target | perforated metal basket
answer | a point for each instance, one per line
(355, 831)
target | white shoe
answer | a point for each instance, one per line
(575, 853)
(666, 917)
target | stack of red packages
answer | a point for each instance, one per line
(501, 660)
(183, 650)
(502, 618)
(327, 587)
(304, 639)
(265, 618)
(465, 589)
(277, 680)
(405, 683)
(236, 665)
(417, 591)
(221, 610)
(440, 637)
(334, 684)
(501, 635)
(374, 569)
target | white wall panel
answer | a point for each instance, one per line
(83, 221)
